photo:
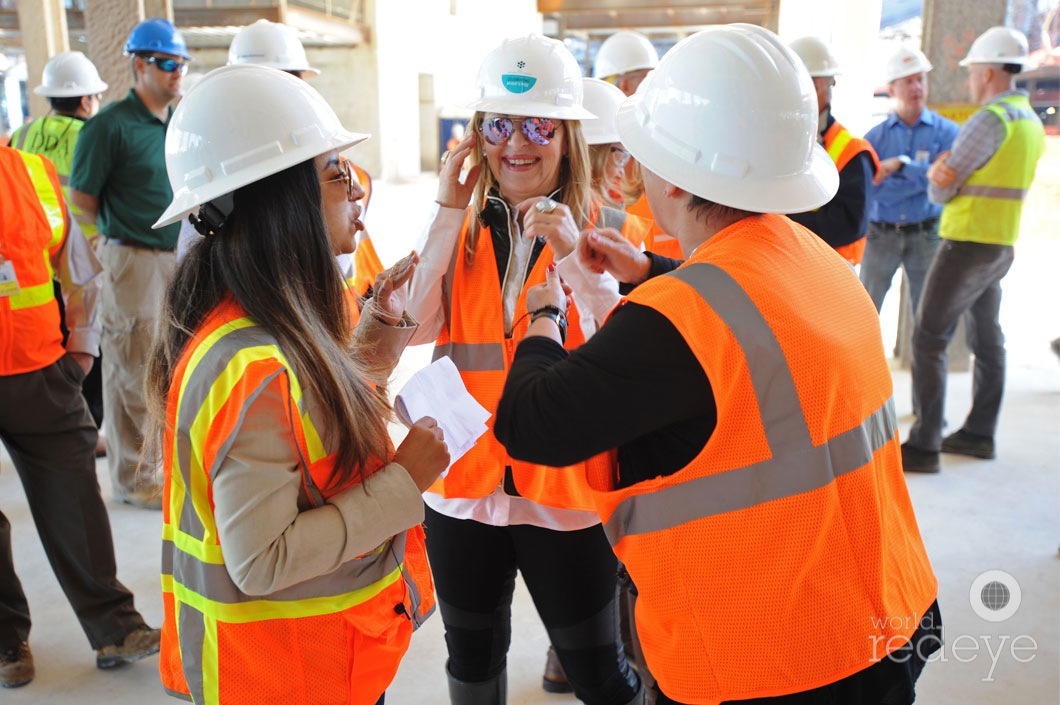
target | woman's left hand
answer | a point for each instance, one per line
(551, 292)
(555, 224)
(391, 291)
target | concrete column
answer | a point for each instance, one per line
(44, 34)
(950, 27)
(107, 26)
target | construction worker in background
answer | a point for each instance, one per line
(624, 59)
(757, 500)
(843, 221)
(45, 424)
(277, 46)
(118, 180)
(74, 89)
(903, 223)
(982, 183)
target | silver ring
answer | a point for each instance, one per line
(445, 156)
(545, 205)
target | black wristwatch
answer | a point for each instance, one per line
(558, 317)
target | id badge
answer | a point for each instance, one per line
(8, 281)
(923, 156)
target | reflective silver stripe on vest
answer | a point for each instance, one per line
(22, 136)
(795, 465)
(1008, 194)
(612, 218)
(192, 630)
(472, 357)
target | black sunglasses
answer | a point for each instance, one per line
(167, 65)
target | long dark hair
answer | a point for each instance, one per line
(273, 256)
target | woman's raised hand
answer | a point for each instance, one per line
(452, 192)
(605, 250)
(423, 453)
(391, 291)
(552, 221)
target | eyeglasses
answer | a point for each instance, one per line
(347, 177)
(167, 65)
(540, 131)
(620, 156)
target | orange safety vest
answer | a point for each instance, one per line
(657, 242)
(785, 555)
(34, 225)
(842, 147)
(337, 638)
(366, 262)
(475, 340)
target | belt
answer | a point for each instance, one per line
(928, 224)
(134, 243)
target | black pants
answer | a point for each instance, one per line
(47, 430)
(570, 576)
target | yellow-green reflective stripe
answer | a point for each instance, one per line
(50, 200)
(211, 678)
(258, 610)
(839, 144)
(34, 295)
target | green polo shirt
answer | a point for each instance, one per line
(120, 159)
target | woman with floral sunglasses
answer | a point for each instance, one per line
(520, 208)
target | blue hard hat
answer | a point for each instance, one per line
(157, 34)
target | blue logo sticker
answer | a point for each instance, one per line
(517, 84)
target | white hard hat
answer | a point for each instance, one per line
(531, 76)
(269, 44)
(819, 60)
(602, 99)
(998, 45)
(70, 74)
(623, 52)
(240, 124)
(743, 134)
(906, 62)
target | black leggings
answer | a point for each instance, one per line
(570, 576)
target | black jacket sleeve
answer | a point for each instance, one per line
(845, 218)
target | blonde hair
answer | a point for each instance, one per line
(575, 181)
(630, 187)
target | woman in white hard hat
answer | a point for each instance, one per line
(293, 561)
(758, 503)
(520, 208)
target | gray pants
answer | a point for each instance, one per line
(964, 276)
(47, 430)
(886, 249)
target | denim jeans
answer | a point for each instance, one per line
(886, 249)
(964, 276)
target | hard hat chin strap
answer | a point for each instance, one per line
(212, 215)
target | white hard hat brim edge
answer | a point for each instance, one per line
(522, 108)
(185, 202)
(46, 92)
(810, 188)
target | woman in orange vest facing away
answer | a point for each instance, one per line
(293, 569)
(757, 500)
(526, 196)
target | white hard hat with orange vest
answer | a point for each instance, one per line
(998, 45)
(531, 76)
(623, 52)
(906, 62)
(271, 44)
(240, 124)
(70, 74)
(602, 100)
(818, 57)
(743, 134)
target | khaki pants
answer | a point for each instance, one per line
(134, 286)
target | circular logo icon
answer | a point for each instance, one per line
(995, 595)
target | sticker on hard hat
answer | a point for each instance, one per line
(517, 84)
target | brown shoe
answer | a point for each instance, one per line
(554, 680)
(16, 666)
(140, 642)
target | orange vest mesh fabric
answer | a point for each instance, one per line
(285, 649)
(784, 595)
(476, 319)
(30, 337)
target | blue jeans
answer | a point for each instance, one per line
(964, 276)
(887, 248)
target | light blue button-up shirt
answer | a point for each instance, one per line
(902, 197)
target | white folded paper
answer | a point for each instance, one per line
(437, 391)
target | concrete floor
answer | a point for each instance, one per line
(975, 516)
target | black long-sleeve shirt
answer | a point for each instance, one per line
(635, 385)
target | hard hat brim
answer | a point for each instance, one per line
(46, 92)
(187, 201)
(525, 108)
(1024, 61)
(798, 192)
